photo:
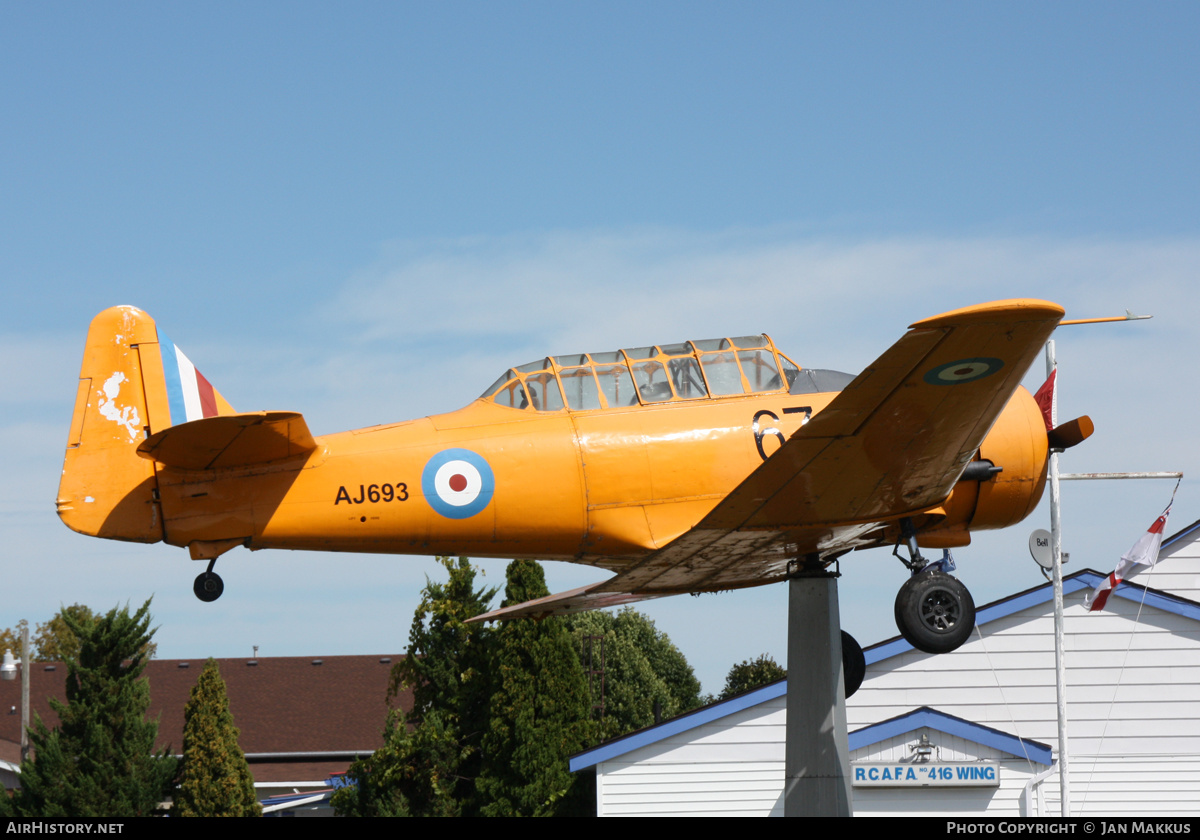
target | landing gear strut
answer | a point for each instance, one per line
(208, 586)
(934, 611)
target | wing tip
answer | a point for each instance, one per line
(1015, 309)
(583, 599)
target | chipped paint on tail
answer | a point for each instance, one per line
(133, 381)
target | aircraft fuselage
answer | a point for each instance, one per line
(601, 487)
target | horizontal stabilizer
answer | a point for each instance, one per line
(576, 600)
(230, 440)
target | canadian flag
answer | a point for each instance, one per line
(1143, 553)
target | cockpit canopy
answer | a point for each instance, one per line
(693, 370)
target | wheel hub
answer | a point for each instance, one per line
(939, 611)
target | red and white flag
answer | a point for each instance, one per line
(1046, 397)
(1143, 553)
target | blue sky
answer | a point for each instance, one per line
(366, 212)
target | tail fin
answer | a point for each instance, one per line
(134, 382)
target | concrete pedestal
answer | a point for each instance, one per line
(817, 782)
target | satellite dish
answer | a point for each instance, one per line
(1041, 549)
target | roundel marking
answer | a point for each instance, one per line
(457, 483)
(963, 370)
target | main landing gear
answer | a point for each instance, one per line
(208, 586)
(934, 611)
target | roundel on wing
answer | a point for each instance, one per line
(457, 483)
(963, 370)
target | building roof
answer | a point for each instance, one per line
(300, 717)
(1179, 535)
(928, 718)
(1083, 579)
(1044, 593)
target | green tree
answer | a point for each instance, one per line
(446, 666)
(641, 669)
(54, 641)
(429, 762)
(100, 760)
(751, 674)
(215, 779)
(10, 639)
(539, 711)
(416, 773)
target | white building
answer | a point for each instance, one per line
(1133, 701)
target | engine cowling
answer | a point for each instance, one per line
(1017, 444)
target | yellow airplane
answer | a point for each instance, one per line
(691, 467)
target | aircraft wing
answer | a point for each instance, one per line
(561, 603)
(893, 443)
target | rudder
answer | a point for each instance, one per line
(133, 382)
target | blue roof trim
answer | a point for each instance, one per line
(951, 725)
(284, 798)
(1176, 537)
(1083, 579)
(886, 650)
(653, 734)
(1160, 600)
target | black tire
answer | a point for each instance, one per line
(208, 586)
(854, 664)
(934, 612)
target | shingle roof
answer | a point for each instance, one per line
(298, 719)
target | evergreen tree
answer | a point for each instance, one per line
(446, 666)
(751, 674)
(416, 773)
(429, 763)
(215, 780)
(641, 668)
(539, 711)
(100, 760)
(54, 641)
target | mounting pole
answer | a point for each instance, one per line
(817, 752)
(1053, 478)
(1060, 664)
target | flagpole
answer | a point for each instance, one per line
(1060, 668)
(1060, 675)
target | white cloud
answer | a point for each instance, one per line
(558, 287)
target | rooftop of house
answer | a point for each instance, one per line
(300, 717)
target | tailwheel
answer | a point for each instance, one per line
(934, 612)
(208, 586)
(854, 664)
